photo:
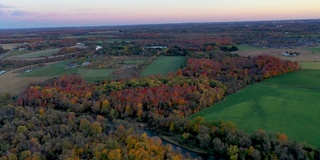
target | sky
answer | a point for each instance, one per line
(68, 13)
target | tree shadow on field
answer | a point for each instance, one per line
(256, 111)
(263, 103)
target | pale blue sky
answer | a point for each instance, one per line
(55, 13)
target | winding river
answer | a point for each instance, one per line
(141, 129)
(179, 149)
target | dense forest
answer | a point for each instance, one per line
(67, 117)
(38, 133)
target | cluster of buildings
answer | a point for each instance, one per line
(290, 54)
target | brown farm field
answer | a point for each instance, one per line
(12, 83)
(305, 54)
(10, 46)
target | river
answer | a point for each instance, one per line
(178, 149)
(151, 133)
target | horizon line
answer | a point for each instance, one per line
(164, 23)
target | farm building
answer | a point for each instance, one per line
(290, 54)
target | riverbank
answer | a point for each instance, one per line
(165, 137)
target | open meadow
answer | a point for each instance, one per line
(60, 69)
(309, 65)
(285, 104)
(164, 65)
(37, 54)
(92, 75)
(52, 70)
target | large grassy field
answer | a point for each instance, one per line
(310, 65)
(92, 75)
(42, 53)
(58, 69)
(52, 70)
(164, 65)
(285, 104)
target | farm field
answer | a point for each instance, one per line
(12, 83)
(53, 70)
(10, 46)
(310, 65)
(164, 65)
(92, 75)
(58, 69)
(285, 104)
(43, 53)
(306, 54)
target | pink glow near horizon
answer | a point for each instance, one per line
(14, 13)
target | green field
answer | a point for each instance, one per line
(52, 70)
(58, 69)
(42, 53)
(310, 65)
(316, 49)
(285, 104)
(17, 52)
(92, 75)
(164, 65)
